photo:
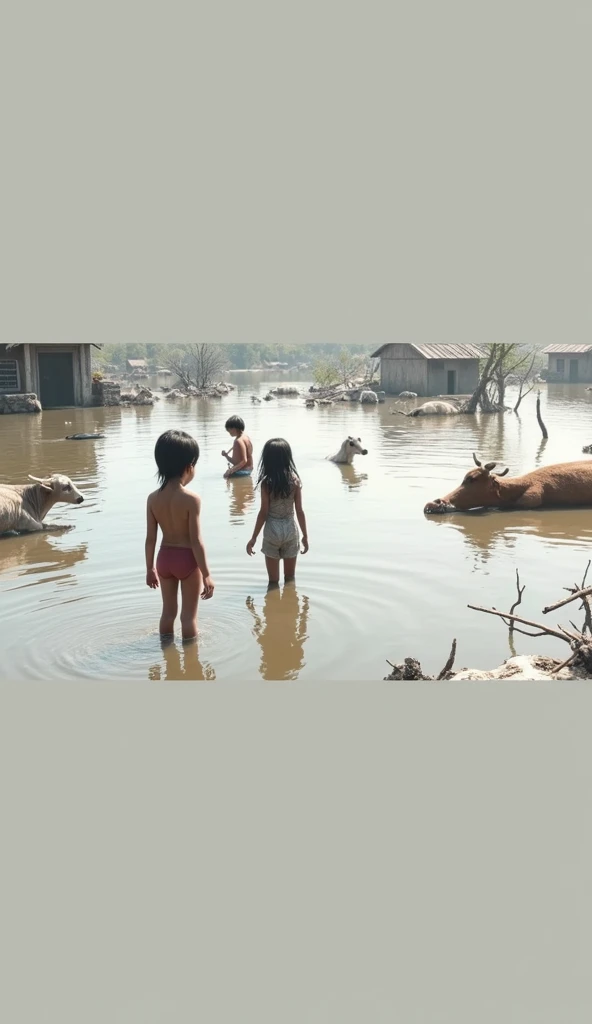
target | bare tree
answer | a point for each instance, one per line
(501, 364)
(517, 362)
(480, 397)
(198, 366)
(526, 380)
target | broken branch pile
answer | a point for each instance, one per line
(579, 639)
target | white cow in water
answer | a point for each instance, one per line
(368, 398)
(435, 409)
(23, 507)
(350, 447)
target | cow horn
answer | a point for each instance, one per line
(504, 472)
(37, 479)
(477, 463)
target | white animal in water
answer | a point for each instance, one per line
(435, 409)
(408, 394)
(255, 399)
(345, 456)
(368, 398)
(23, 507)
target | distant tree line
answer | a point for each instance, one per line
(235, 356)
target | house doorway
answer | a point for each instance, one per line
(56, 379)
(573, 370)
(451, 382)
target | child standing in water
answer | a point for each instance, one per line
(281, 498)
(241, 460)
(182, 557)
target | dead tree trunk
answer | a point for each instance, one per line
(539, 417)
(480, 398)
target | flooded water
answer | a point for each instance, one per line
(381, 580)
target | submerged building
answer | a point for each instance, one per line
(428, 370)
(59, 375)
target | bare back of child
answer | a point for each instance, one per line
(240, 462)
(182, 558)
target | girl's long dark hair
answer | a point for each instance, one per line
(276, 467)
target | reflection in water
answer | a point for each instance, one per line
(281, 630)
(484, 529)
(351, 477)
(33, 554)
(242, 494)
(370, 538)
(540, 451)
(181, 665)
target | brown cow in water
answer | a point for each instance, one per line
(566, 483)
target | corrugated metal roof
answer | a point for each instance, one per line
(137, 363)
(568, 349)
(449, 351)
(438, 351)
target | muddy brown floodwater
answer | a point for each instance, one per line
(380, 581)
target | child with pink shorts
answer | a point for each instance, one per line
(182, 557)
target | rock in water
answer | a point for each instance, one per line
(19, 403)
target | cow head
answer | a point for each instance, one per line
(59, 488)
(356, 444)
(479, 488)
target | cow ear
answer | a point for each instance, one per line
(489, 466)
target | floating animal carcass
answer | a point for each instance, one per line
(84, 437)
(434, 409)
(567, 484)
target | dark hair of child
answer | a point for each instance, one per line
(174, 452)
(276, 467)
(235, 423)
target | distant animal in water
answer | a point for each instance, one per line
(255, 399)
(350, 447)
(587, 449)
(23, 507)
(310, 403)
(84, 437)
(567, 484)
(368, 398)
(407, 394)
(435, 409)
(268, 398)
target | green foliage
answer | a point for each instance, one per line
(339, 369)
(239, 357)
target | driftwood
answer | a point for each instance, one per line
(578, 639)
(519, 600)
(410, 668)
